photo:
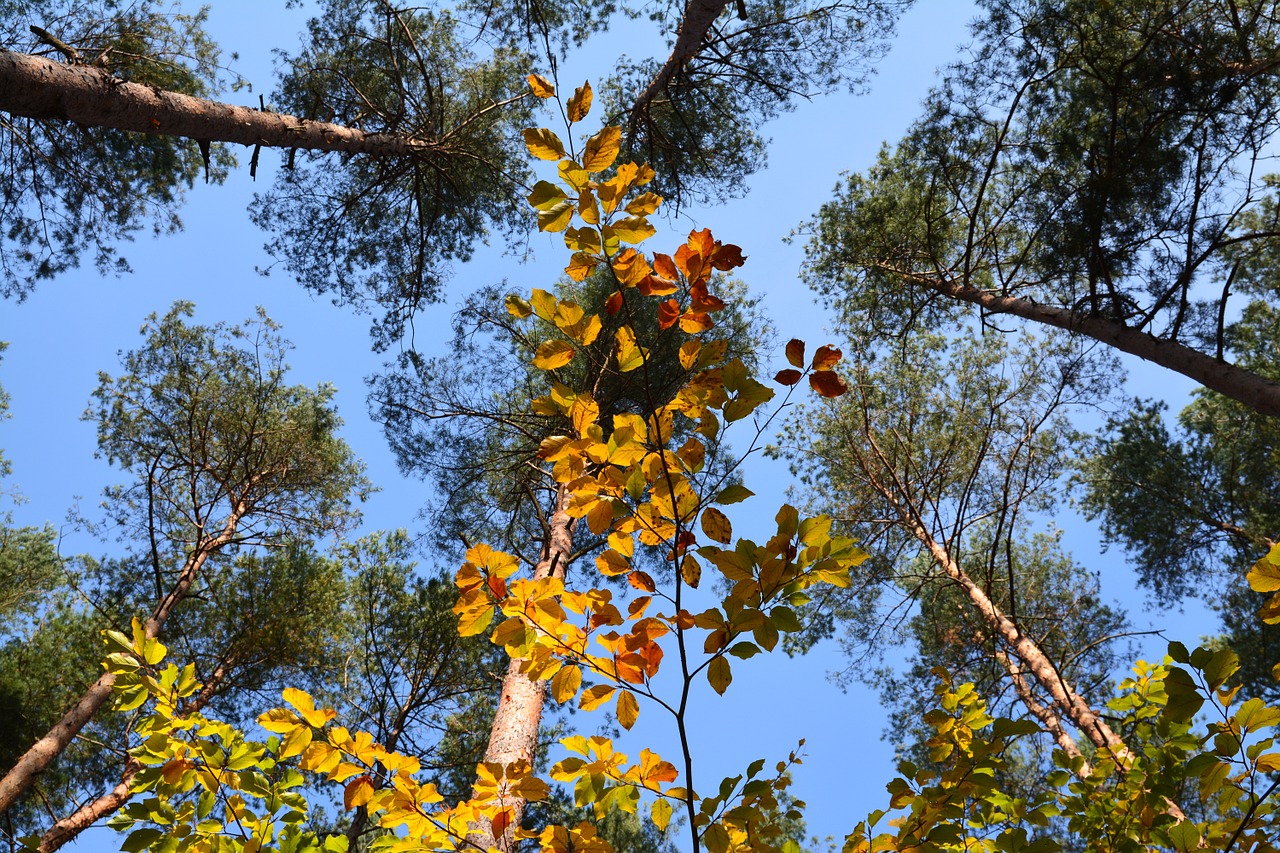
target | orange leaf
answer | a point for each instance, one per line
(787, 377)
(641, 581)
(795, 352)
(498, 587)
(613, 304)
(693, 322)
(826, 357)
(652, 285)
(500, 822)
(358, 792)
(703, 300)
(702, 242)
(727, 257)
(827, 383)
(663, 265)
(668, 313)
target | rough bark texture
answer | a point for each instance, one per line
(42, 753)
(1261, 395)
(514, 735)
(39, 88)
(696, 22)
(1066, 700)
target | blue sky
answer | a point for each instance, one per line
(73, 327)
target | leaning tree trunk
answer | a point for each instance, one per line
(1258, 393)
(39, 88)
(514, 736)
(42, 753)
(66, 829)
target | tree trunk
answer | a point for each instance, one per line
(23, 774)
(1066, 700)
(66, 829)
(696, 22)
(1261, 395)
(39, 88)
(514, 735)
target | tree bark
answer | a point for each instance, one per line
(1261, 395)
(66, 829)
(42, 753)
(514, 735)
(1066, 700)
(696, 22)
(39, 88)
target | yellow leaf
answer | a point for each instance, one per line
(574, 175)
(541, 86)
(719, 675)
(553, 354)
(543, 143)
(689, 353)
(580, 104)
(600, 151)
(580, 266)
(594, 697)
(628, 709)
(518, 307)
(611, 563)
(631, 229)
(295, 742)
(546, 195)
(1265, 574)
(544, 304)
(716, 525)
(644, 204)
(556, 218)
(660, 814)
(582, 240)
(1269, 763)
(690, 571)
(565, 683)
(583, 413)
(475, 620)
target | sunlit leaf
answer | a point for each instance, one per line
(553, 354)
(601, 150)
(628, 709)
(543, 143)
(541, 86)
(579, 104)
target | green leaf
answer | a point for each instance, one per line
(715, 838)
(140, 839)
(1185, 698)
(733, 494)
(1221, 666)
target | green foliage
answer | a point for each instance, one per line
(1193, 502)
(218, 441)
(69, 192)
(1091, 156)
